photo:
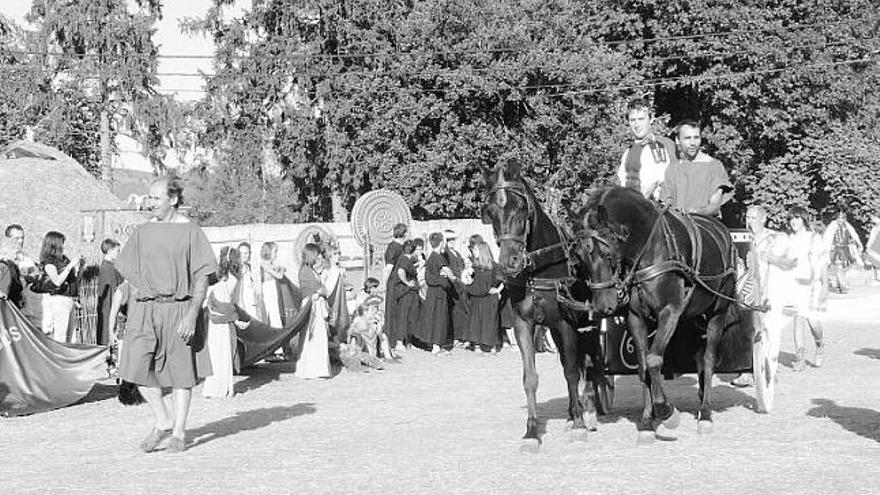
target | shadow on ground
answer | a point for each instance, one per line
(247, 421)
(101, 391)
(257, 376)
(871, 353)
(682, 392)
(859, 420)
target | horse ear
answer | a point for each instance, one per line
(512, 168)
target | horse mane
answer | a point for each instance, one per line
(627, 204)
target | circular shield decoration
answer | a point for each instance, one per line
(314, 234)
(375, 214)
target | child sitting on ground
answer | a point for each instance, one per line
(368, 328)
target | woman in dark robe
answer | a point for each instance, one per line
(435, 311)
(483, 294)
(408, 300)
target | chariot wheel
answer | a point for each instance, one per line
(765, 359)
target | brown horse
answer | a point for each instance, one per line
(658, 267)
(534, 262)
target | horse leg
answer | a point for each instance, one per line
(572, 367)
(639, 332)
(664, 413)
(713, 338)
(525, 338)
(600, 392)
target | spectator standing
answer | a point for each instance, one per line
(483, 296)
(57, 283)
(843, 245)
(11, 287)
(872, 248)
(32, 304)
(806, 250)
(108, 280)
(408, 300)
(457, 292)
(251, 291)
(434, 326)
(420, 259)
(389, 277)
(221, 338)
(314, 360)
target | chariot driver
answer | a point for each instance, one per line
(695, 182)
(644, 163)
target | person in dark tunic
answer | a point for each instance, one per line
(408, 300)
(392, 253)
(108, 280)
(11, 287)
(167, 263)
(435, 311)
(457, 291)
(483, 294)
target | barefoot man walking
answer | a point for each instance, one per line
(167, 262)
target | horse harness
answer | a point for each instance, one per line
(676, 262)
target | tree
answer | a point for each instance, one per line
(106, 51)
(413, 97)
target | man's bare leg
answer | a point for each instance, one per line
(163, 424)
(153, 396)
(181, 398)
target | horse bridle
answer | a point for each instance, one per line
(528, 257)
(615, 282)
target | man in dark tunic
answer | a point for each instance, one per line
(167, 262)
(392, 254)
(457, 291)
(435, 309)
(108, 280)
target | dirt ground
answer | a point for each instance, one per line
(452, 425)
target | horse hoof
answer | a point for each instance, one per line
(530, 445)
(663, 433)
(592, 421)
(645, 437)
(705, 427)
(672, 421)
(578, 435)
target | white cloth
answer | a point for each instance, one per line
(58, 317)
(270, 301)
(247, 299)
(314, 359)
(219, 342)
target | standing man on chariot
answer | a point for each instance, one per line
(695, 182)
(643, 165)
(167, 262)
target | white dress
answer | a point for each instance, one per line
(219, 342)
(248, 298)
(271, 303)
(314, 359)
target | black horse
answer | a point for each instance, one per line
(659, 267)
(534, 262)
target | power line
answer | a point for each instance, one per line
(486, 51)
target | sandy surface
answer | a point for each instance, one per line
(452, 425)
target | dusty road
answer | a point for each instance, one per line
(452, 425)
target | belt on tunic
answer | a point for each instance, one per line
(160, 298)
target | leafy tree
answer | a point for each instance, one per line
(106, 52)
(412, 97)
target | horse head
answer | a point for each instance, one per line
(596, 255)
(509, 209)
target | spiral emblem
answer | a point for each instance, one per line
(375, 214)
